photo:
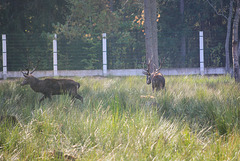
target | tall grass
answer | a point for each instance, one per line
(195, 118)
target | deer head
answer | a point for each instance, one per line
(151, 75)
(28, 75)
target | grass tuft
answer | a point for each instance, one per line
(194, 118)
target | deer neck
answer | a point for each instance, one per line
(35, 84)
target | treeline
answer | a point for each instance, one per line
(30, 25)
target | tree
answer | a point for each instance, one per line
(27, 24)
(151, 38)
(88, 17)
(31, 16)
(235, 43)
(183, 38)
(229, 21)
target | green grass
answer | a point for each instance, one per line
(195, 118)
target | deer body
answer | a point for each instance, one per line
(158, 81)
(156, 78)
(49, 87)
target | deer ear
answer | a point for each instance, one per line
(24, 74)
(145, 72)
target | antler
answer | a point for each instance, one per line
(27, 69)
(146, 71)
(160, 66)
(24, 73)
(35, 67)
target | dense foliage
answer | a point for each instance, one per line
(30, 26)
(195, 118)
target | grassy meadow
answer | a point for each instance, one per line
(194, 118)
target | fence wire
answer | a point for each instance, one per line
(124, 51)
(78, 54)
(24, 51)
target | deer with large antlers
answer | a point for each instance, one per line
(49, 87)
(156, 78)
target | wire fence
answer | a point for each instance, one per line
(24, 50)
(124, 51)
(214, 50)
(78, 54)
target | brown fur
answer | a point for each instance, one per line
(49, 87)
(156, 78)
(158, 81)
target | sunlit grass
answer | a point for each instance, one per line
(195, 118)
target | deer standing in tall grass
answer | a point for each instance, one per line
(156, 78)
(49, 87)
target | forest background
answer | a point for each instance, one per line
(30, 26)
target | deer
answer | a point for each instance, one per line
(49, 87)
(156, 78)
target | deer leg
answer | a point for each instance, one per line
(162, 86)
(77, 96)
(74, 94)
(153, 87)
(43, 97)
(50, 97)
(158, 87)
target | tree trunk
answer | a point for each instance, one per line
(235, 44)
(111, 5)
(154, 33)
(183, 38)
(229, 21)
(151, 37)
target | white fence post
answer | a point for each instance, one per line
(104, 50)
(4, 55)
(201, 50)
(55, 68)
